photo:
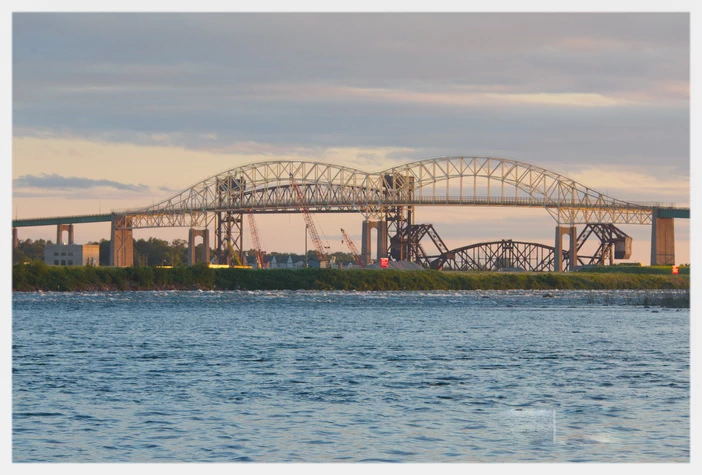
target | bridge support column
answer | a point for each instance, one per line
(573, 251)
(366, 240)
(15, 239)
(60, 228)
(205, 254)
(662, 241)
(397, 221)
(229, 236)
(121, 243)
(381, 249)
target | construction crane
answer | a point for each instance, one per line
(352, 248)
(256, 240)
(316, 240)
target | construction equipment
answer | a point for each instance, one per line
(235, 256)
(256, 240)
(352, 248)
(302, 203)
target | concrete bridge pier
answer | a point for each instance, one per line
(573, 251)
(662, 240)
(15, 239)
(205, 254)
(121, 243)
(60, 228)
(382, 241)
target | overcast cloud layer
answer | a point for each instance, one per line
(555, 90)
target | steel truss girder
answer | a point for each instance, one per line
(493, 256)
(229, 232)
(608, 235)
(410, 237)
(462, 181)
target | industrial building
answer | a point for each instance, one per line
(72, 254)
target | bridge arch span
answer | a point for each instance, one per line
(478, 181)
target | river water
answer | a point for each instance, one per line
(476, 376)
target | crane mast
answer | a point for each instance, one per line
(256, 240)
(352, 248)
(302, 203)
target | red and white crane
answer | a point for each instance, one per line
(302, 203)
(256, 241)
(352, 247)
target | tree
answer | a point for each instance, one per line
(28, 250)
(178, 252)
(104, 252)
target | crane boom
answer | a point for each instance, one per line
(352, 247)
(256, 240)
(234, 254)
(316, 240)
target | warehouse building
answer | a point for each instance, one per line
(72, 254)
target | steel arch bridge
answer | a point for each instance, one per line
(498, 255)
(265, 187)
(387, 199)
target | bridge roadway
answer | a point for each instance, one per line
(265, 187)
(664, 210)
(75, 219)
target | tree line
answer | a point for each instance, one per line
(153, 252)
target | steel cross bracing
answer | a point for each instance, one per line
(265, 187)
(411, 236)
(613, 244)
(497, 255)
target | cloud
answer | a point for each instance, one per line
(542, 88)
(57, 182)
(662, 184)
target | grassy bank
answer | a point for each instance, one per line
(39, 276)
(628, 269)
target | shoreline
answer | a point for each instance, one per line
(40, 277)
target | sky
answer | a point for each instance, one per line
(120, 110)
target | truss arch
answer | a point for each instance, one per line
(499, 255)
(263, 187)
(497, 181)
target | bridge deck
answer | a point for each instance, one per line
(674, 213)
(327, 207)
(77, 219)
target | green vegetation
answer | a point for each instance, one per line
(39, 276)
(155, 252)
(28, 250)
(635, 269)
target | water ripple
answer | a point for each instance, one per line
(285, 376)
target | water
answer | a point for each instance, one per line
(505, 376)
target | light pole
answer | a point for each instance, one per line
(306, 226)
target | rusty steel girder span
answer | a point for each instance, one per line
(500, 255)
